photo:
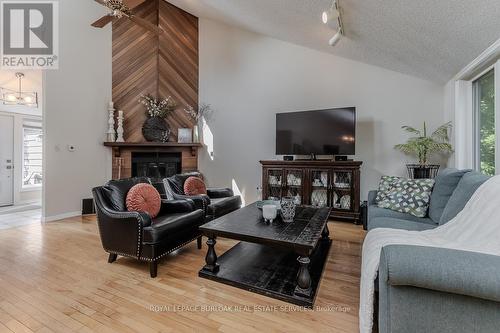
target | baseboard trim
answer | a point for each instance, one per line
(60, 216)
(27, 202)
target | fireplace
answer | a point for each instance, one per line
(153, 159)
(156, 165)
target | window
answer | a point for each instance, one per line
(32, 154)
(484, 122)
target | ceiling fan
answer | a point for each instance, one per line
(124, 8)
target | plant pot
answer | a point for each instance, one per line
(417, 171)
(421, 172)
(155, 129)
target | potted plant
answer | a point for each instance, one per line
(422, 146)
(155, 128)
(204, 111)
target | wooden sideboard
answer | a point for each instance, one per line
(319, 183)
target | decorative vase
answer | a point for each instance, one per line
(287, 209)
(155, 129)
(196, 134)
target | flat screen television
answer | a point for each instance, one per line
(320, 132)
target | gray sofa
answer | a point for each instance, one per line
(452, 190)
(429, 289)
(436, 290)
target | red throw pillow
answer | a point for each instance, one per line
(194, 186)
(144, 198)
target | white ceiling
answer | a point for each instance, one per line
(431, 39)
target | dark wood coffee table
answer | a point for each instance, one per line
(279, 260)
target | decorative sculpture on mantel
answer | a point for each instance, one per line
(111, 123)
(119, 130)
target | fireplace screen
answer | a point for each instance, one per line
(156, 165)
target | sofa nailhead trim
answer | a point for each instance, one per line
(139, 238)
(156, 258)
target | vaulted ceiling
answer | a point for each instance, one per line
(430, 39)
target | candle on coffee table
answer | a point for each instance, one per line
(269, 212)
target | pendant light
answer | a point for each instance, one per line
(19, 97)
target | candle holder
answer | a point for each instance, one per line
(111, 134)
(269, 212)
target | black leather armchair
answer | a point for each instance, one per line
(217, 202)
(135, 234)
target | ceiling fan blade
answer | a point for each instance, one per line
(100, 23)
(101, 2)
(145, 24)
(132, 3)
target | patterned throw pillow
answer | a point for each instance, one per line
(385, 186)
(144, 197)
(194, 186)
(410, 196)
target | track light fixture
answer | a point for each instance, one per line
(334, 40)
(334, 13)
(330, 14)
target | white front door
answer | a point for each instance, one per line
(6, 160)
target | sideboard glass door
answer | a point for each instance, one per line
(342, 190)
(320, 194)
(274, 183)
(294, 184)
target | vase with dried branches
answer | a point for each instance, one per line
(155, 128)
(203, 112)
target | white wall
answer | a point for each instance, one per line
(247, 78)
(76, 97)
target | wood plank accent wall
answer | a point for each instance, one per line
(160, 65)
(178, 62)
(135, 68)
(164, 65)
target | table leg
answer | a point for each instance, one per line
(303, 287)
(325, 234)
(211, 257)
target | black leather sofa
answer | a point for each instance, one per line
(217, 202)
(135, 234)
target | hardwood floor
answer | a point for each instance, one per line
(15, 218)
(55, 278)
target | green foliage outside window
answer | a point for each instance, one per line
(486, 97)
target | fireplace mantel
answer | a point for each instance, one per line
(160, 145)
(123, 151)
